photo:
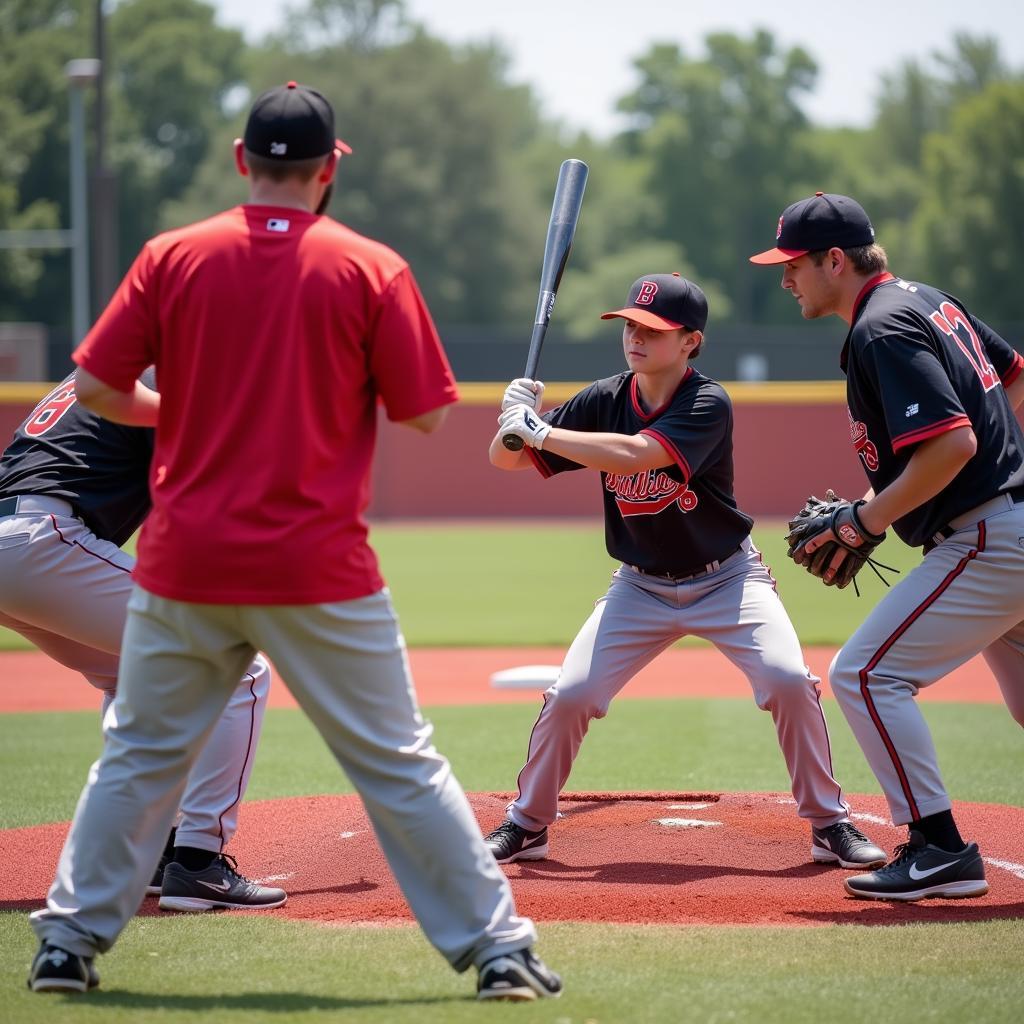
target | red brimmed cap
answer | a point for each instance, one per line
(824, 221)
(664, 302)
(292, 122)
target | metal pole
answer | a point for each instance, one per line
(79, 221)
(80, 73)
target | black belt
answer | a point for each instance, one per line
(704, 570)
(945, 532)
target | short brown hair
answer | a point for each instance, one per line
(282, 170)
(866, 259)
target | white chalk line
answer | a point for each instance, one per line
(687, 822)
(863, 816)
(687, 807)
(1006, 865)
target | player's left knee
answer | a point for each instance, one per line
(782, 686)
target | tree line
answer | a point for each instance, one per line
(454, 164)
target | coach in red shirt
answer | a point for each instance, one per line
(275, 332)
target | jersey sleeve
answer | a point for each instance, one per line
(579, 413)
(693, 433)
(917, 396)
(1005, 360)
(122, 343)
(407, 363)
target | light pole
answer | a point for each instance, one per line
(80, 74)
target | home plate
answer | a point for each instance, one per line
(525, 677)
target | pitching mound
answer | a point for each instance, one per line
(671, 858)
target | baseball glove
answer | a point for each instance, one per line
(848, 536)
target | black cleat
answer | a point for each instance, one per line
(518, 976)
(509, 842)
(920, 871)
(56, 970)
(217, 886)
(845, 844)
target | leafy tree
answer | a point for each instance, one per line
(971, 217)
(444, 151)
(170, 67)
(722, 136)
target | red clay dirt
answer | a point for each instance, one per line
(668, 858)
(30, 681)
(637, 857)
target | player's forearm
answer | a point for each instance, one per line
(137, 408)
(611, 453)
(931, 468)
(502, 458)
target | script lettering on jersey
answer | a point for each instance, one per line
(862, 446)
(648, 493)
(50, 409)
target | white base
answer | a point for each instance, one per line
(525, 677)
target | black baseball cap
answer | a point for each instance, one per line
(824, 221)
(291, 122)
(664, 302)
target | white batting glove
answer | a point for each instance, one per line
(525, 423)
(523, 391)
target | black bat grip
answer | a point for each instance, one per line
(513, 442)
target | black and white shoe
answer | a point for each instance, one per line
(56, 970)
(509, 842)
(921, 871)
(518, 976)
(845, 844)
(217, 886)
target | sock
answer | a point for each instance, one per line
(193, 859)
(940, 830)
(169, 845)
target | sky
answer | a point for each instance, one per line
(577, 54)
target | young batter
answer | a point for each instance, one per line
(661, 437)
(931, 392)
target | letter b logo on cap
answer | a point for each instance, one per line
(647, 292)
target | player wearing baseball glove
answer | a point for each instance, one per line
(830, 541)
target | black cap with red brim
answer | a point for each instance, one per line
(664, 302)
(823, 221)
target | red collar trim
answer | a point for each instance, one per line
(870, 286)
(634, 394)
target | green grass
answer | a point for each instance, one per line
(478, 585)
(458, 585)
(642, 744)
(263, 968)
(189, 969)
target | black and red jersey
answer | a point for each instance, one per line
(917, 365)
(101, 468)
(672, 520)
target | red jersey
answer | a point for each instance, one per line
(274, 333)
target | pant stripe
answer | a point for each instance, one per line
(245, 760)
(82, 547)
(529, 745)
(887, 646)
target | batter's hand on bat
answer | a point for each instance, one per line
(522, 421)
(523, 391)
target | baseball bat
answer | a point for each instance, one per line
(565, 212)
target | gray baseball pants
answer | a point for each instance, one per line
(346, 665)
(67, 591)
(737, 608)
(966, 597)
